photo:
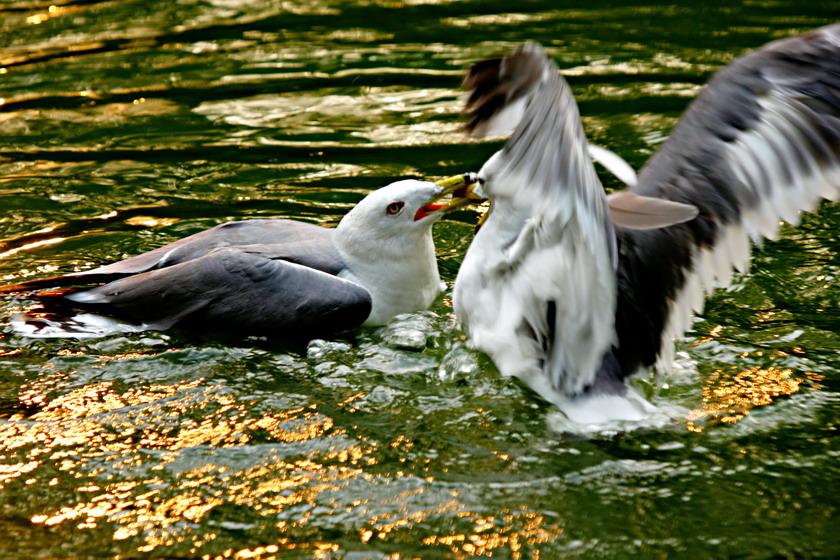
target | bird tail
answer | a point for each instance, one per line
(61, 322)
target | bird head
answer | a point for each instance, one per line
(409, 205)
(387, 247)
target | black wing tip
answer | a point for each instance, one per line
(495, 82)
(483, 82)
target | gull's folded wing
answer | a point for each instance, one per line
(296, 242)
(247, 292)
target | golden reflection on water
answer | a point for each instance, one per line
(41, 17)
(148, 463)
(68, 434)
(492, 534)
(730, 398)
(33, 245)
(151, 222)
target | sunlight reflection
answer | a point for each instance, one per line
(33, 245)
(156, 507)
(8, 472)
(51, 12)
(728, 398)
(151, 222)
(492, 533)
(498, 19)
(156, 462)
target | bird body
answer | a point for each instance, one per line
(547, 282)
(536, 289)
(574, 291)
(274, 276)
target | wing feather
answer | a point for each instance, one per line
(760, 145)
(238, 290)
(289, 240)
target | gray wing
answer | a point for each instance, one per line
(545, 164)
(760, 144)
(308, 244)
(298, 242)
(234, 289)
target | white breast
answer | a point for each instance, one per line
(400, 279)
(537, 299)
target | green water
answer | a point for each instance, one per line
(127, 124)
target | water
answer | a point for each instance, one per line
(126, 125)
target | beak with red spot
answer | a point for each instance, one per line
(459, 188)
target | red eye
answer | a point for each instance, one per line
(394, 208)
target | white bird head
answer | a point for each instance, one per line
(405, 209)
(386, 242)
(390, 212)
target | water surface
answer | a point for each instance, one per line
(125, 125)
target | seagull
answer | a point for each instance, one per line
(573, 291)
(275, 276)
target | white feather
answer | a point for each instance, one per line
(504, 121)
(614, 163)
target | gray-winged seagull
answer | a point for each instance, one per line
(276, 276)
(573, 291)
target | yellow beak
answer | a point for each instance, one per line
(460, 187)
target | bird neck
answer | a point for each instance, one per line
(400, 273)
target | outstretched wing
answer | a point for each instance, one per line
(760, 144)
(232, 289)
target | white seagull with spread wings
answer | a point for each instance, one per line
(573, 291)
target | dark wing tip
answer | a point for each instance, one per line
(487, 96)
(494, 83)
